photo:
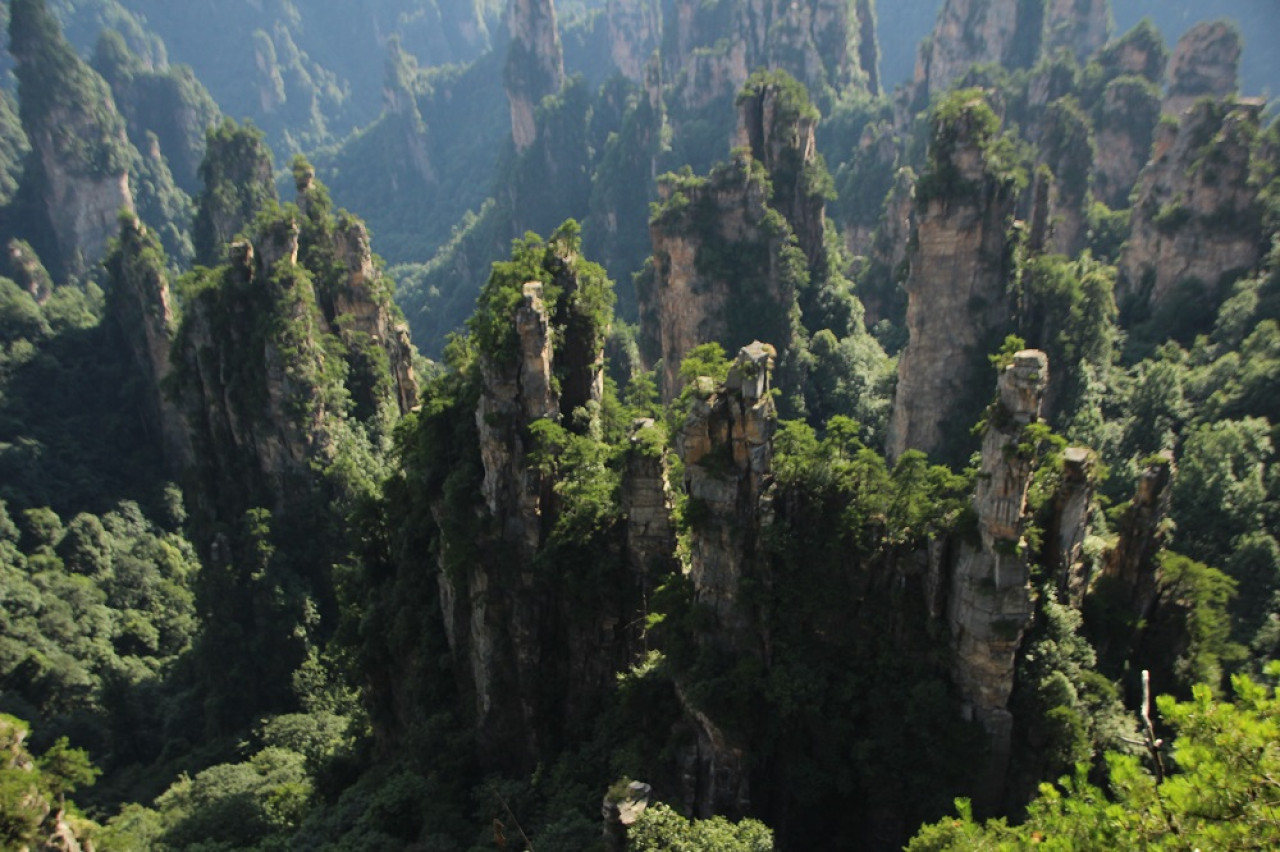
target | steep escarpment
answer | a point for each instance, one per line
(78, 171)
(1197, 223)
(960, 268)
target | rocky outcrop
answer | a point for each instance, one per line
(647, 502)
(1206, 63)
(829, 45)
(725, 444)
(1131, 564)
(515, 395)
(957, 303)
(1072, 505)
(79, 169)
(238, 182)
(1196, 219)
(967, 33)
(363, 305)
(255, 426)
(402, 110)
(778, 127)
(620, 810)
(990, 605)
(718, 271)
(535, 64)
(141, 306)
(1067, 148)
(1124, 124)
(635, 30)
(1081, 26)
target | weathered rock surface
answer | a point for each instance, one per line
(1206, 63)
(1072, 505)
(991, 604)
(363, 305)
(142, 309)
(726, 448)
(535, 64)
(957, 303)
(647, 502)
(1083, 26)
(781, 137)
(968, 32)
(1141, 534)
(79, 169)
(723, 221)
(1196, 219)
(1124, 122)
(635, 31)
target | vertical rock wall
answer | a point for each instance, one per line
(1196, 217)
(535, 64)
(990, 603)
(957, 303)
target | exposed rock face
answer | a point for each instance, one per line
(725, 444)
(718, 226)
(363, 305)
(238, 180)
(1068, 150)
(514, 396)
(1206, 63)
(535, 64)
(81, 152)
(990, 603)
(1072, 505)
(646, 502)
(252, 436)
(621, 813)
(1196, 219)
(1132, 562)
(635, 30)
(81, 208)
(142, 309)
(956, 294)
(726, 449)
(829, 45)
(1125, 120)
(1081, 25)
(402, 108)
(782, 138)
(968, 32)
(889, 249)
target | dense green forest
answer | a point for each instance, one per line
(639, 425)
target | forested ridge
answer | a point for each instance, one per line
(741, 445)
